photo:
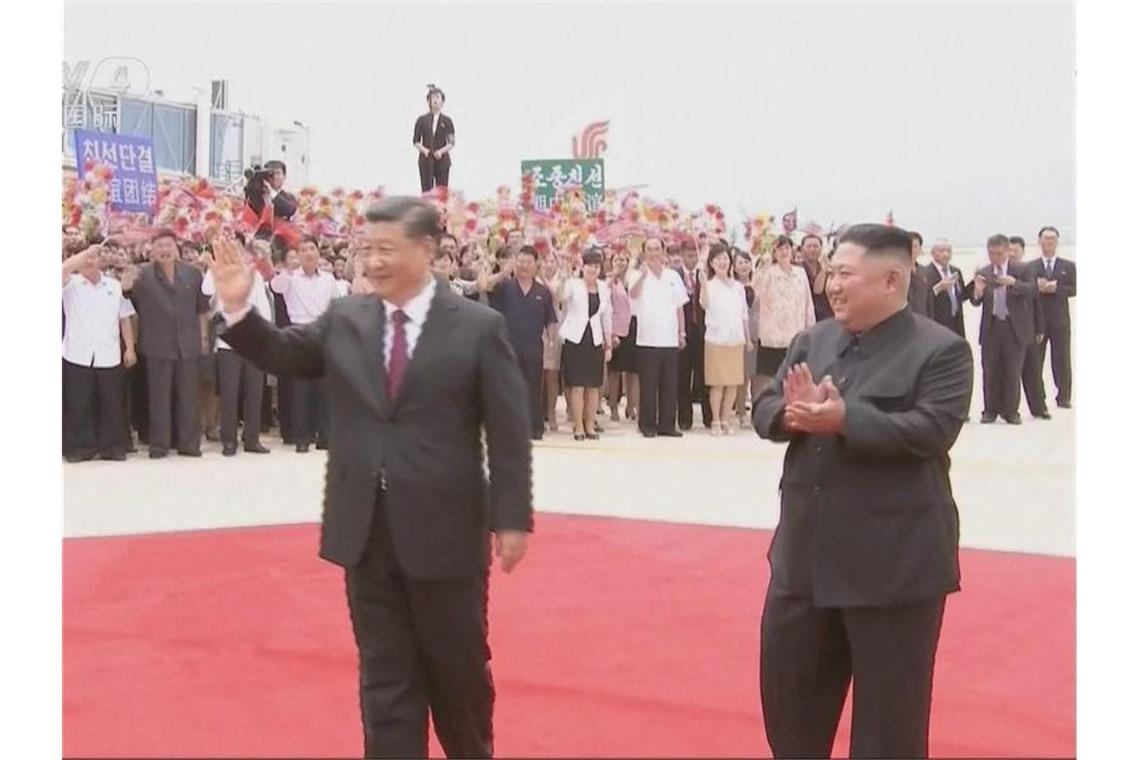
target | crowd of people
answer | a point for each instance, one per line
(642, 330)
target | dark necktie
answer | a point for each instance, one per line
(1048, 267)
(398, 361)
(1001, 308)
(952, 292)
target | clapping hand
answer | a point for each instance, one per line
(1005, 280)
(800, 387)
(823, 417)
(233, 279)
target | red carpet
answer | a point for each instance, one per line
(615, 637)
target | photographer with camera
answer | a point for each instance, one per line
(268, 206)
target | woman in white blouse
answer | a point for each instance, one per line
(726, 333)
(785, 307)
(587, 332)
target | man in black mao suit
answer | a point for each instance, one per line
(417, 377)
(866, 549)
(1056, 280)
(434, 137)
(920, 297)
(1004, 290)
(948, 287)
(1031, 383)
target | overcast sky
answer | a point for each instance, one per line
(959, 117)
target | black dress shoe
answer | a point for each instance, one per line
(114, 456)
(229, 449)
(158, 454)
(76, 458)
(989, 419)
(302, 448)
(256, 448)
(194, 454)
(536, 436)
(648, 434)
(322, 445)
(1043, 416)
(1064, 404)
(670, 434)
(1013, 419)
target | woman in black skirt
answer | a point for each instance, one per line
(586, 330)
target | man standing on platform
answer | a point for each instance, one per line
(948, 288)
(308, 292)
(528, 308)
(434, 138)
(418, 377)
(866, 549)
(691, 381)
(1004, 290)
(659, 298)
(1031, 381)
(1056, 282)
(173, 329)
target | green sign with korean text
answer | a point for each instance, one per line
(550, 176)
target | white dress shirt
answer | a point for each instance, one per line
(417, 310)
(656, 309)
(307, 297)
(92, 311)
(258, 301)
(726, 314)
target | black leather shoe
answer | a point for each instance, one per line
(1013, 419)
(648, 434)
(322, 445)
(76, 458)
(114, 456)
(194, 454)
(229, 449)
(671, 434)
(157, 454)
(256, 449)
(989, 419)
(1043, 416)
(302, 448)
(1064, 404)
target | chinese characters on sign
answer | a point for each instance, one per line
(550, 177)
(134, 186)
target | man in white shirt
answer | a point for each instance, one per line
(308, 292)
(239, 379)
(659, 298)
(96, 317)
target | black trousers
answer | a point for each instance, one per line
(94, 421)
(657, 376)
(285, 408)
(809, 656)
(1059, 340)
(1002, 359)
(434, 172)
(1031, 381)
(173, 383)
(239, 383)
(530, 363)
(308, 420)
(140, 399)
(691, 383)
(423, 646)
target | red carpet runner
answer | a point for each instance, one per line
(615, 637)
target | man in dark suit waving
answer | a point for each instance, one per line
(1056, 280)
(866, 549)
(1004, 290)
(416, 376)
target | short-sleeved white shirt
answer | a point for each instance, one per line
(91, 314)
(656, 309)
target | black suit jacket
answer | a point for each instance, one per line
(941, 307)
(444, 132)
(169, 327)
(1018, 299)
(868, 518)
(1056, 305)
(920, 297)
(694, 314)
(424, 448)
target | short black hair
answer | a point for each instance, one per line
(419, 218)
(275, 164)
(809, 236)
(998, 240)
(591, 256)
(916, 235)
(164, 232)
(432, 90)
(879, 240)
(1048, 228)
(716, 249)
(784, 240)
(1017, 240)
(528, 250)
